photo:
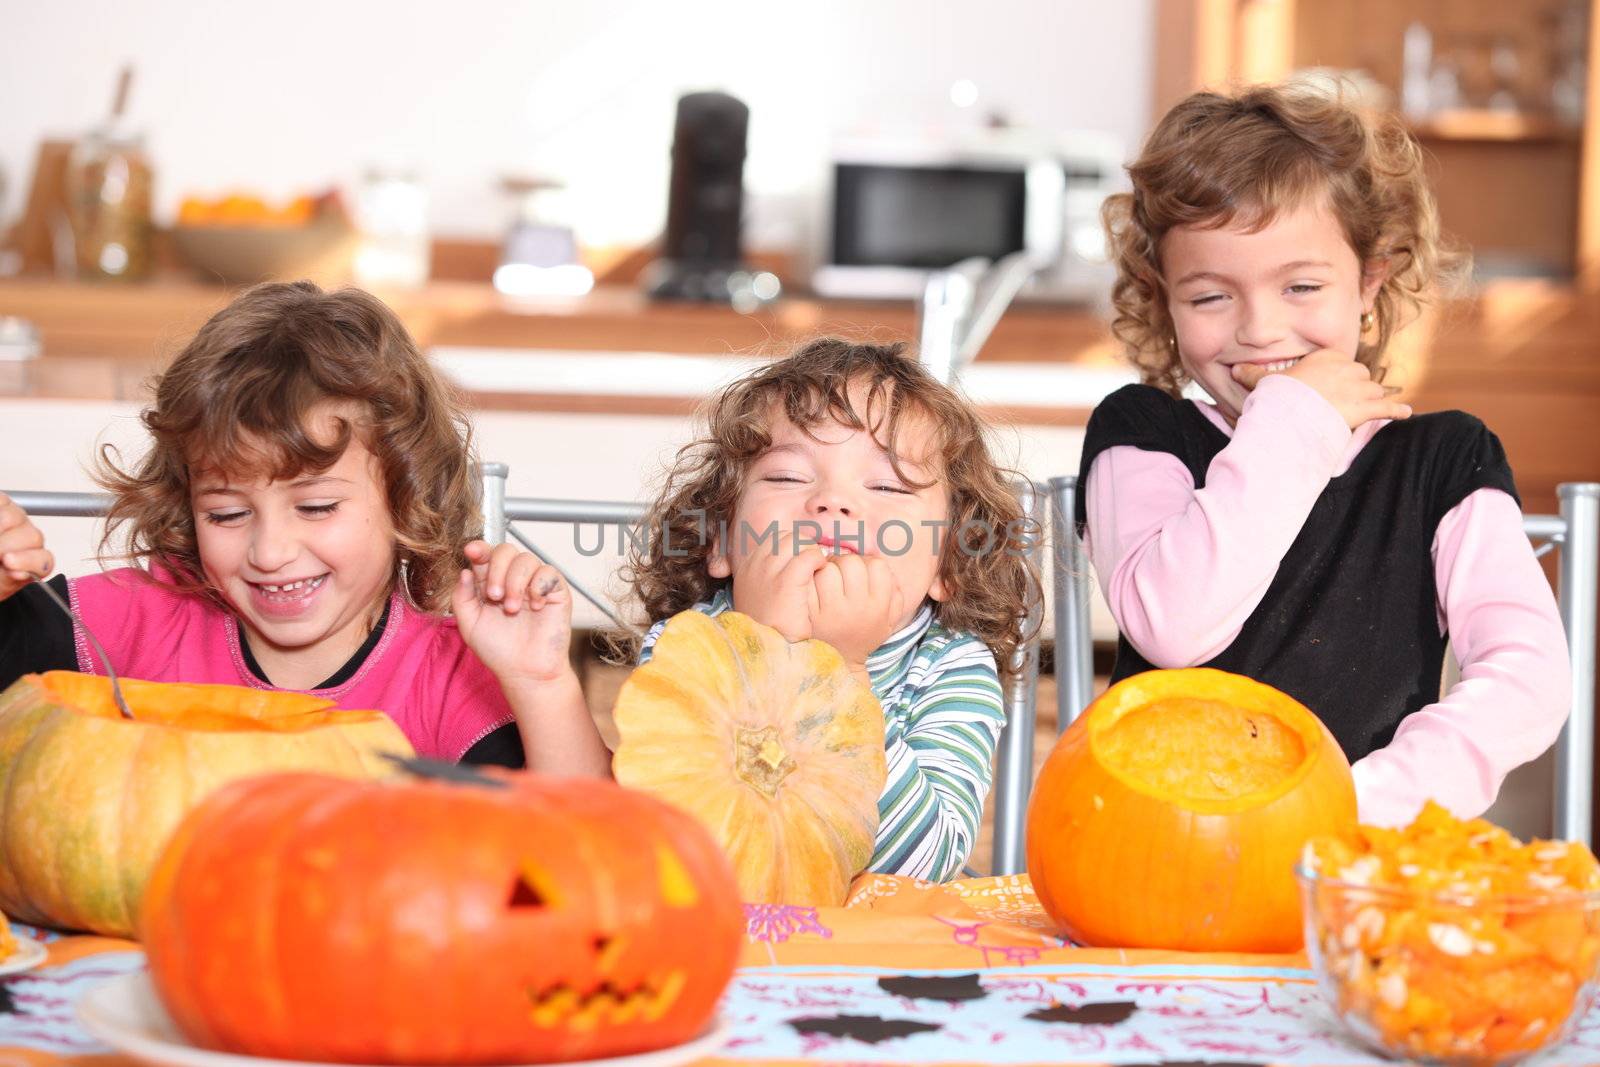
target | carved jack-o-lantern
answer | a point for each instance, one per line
(510, 919)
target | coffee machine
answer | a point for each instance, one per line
(702, 258)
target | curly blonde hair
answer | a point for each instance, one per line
(991, 582)
(240, 398)
(1249, 155)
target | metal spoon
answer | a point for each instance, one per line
(105, 660)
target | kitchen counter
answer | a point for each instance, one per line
(132, 321)
(104, 341)
(1521, 355)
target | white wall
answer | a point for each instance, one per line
(290, 96)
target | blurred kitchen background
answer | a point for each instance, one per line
(593, 214)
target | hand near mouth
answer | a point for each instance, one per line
(772, 583)
(855, 606)
(1341, 381)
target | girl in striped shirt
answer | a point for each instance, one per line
(844, 494)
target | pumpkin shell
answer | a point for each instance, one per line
(775, 747)
(1119, 861)
(312, 918)
(88, 798)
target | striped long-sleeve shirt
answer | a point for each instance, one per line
(942, 712)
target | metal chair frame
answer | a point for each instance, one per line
(1575, 531)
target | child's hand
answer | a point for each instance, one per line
(1343, 382)
(856, 607)
(23, 556)
(774, 586)
(515, 613)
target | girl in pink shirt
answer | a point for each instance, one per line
(1302, 526)
(305, 514)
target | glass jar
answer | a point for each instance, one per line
(108, 202)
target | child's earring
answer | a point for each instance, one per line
(1367, 321)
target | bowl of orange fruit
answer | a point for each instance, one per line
(1450, 941)
(241, 238)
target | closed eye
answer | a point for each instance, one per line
(318, 509)
(223, 518)
(788, 478)
(1304, 289)
(893, 488)
(1210, 298)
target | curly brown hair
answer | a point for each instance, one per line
(240, 397)
(1249, 155)
(990, 579)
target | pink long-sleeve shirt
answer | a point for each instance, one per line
(1182, 569)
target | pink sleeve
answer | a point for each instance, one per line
(470, 705)
(1181, 568)
(1516, 678)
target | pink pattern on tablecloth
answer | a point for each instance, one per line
(779, 922)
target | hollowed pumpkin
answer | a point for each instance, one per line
(775, 747)
(1171, 814)
(524, 920)
(87, 798)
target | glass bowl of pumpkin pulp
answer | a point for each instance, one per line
(1450, 941)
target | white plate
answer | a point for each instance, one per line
(126, 1014)
(29, 954)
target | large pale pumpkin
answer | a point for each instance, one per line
(87, 798)
(1171, 814)
(511, 919)
(775, 747)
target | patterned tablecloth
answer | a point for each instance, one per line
(907, 972)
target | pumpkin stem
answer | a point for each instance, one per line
(760, 760)
(440, 771)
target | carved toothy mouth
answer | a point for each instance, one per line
(609, 1004)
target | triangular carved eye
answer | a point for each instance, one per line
(533, 888)
(524, 895)
(677, 884)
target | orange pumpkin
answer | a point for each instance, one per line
(1172, 812)
(775, 747)
(87, 798)
(512, 919)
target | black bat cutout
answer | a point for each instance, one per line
(1097, 1013)
(868, 1028)
(934, 987)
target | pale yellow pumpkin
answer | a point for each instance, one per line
(775, 747)
(88, 798)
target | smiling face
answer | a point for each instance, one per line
(306, 563)
(1268, 297)
(844, 482)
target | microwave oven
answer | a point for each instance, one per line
(898, 210)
